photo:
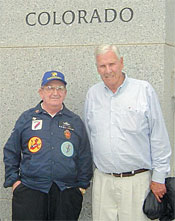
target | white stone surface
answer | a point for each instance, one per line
(147, 25)
(170, 22)
(23, 70)
(147, 44)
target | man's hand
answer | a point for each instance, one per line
(15, 185)
(82, 190)
(158, 189)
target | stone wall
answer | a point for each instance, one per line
(36, 36)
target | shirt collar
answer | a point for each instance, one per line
(123, 84)
(64, 111)
(38, 109)
(125, 80)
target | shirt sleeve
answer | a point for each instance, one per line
(159, 141)
(87, 107)
(85, 115)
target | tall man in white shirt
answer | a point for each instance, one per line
(129, 141)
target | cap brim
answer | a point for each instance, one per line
(44, 83)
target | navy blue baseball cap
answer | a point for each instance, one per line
(53, 75)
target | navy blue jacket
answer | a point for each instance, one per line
(42, 150)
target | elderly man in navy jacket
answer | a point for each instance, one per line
(47, 158)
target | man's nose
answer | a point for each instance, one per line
(108, 69)
(55, 91)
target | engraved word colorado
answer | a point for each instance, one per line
(70, 17)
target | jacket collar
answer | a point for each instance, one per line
(38, 110)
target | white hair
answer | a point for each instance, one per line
(102, 49)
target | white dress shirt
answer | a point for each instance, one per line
(127, 130)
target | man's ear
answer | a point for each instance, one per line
(40, 92)
(121, 61)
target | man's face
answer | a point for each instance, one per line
(53, 94)
(110, 69)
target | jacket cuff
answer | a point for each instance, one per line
(83, 185)
(10, 182)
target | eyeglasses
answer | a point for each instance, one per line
(53, 88)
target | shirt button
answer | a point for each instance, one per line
(51, 133)
(53, 148)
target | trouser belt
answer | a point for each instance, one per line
(126, 174)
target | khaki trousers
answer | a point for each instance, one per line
(119, 198)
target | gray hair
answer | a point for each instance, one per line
(102, 49)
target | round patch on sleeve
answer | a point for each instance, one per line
(34, 144)
(67, 149)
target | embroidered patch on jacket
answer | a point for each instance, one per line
(34, 144)
(67, 134)
(66, 125)
(67, 149)
(37, 124)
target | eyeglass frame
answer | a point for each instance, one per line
(50, 88)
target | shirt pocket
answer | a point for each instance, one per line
(97, 121)
(131, 120)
